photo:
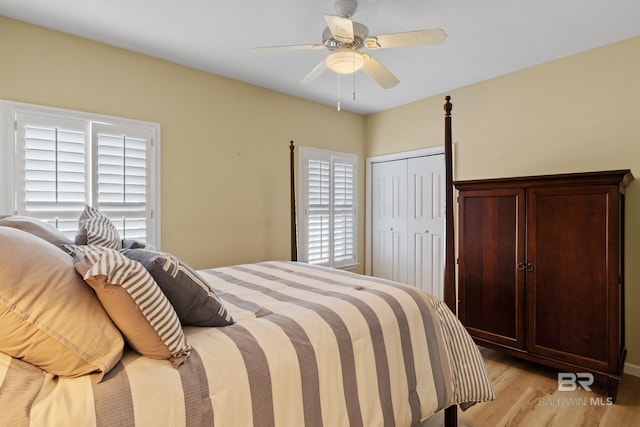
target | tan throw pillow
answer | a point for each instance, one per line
(37, 228)
(48, 316)
(135, 303)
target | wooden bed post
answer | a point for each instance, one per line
(449, 265)
(294, 229)
(450, 295)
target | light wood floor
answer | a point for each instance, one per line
(527, 395)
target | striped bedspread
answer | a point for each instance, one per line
(310, 347)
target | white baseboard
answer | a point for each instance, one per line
(632, 369)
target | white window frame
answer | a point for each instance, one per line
(9, 155)
(305, 154)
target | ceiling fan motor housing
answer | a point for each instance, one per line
(360, 33)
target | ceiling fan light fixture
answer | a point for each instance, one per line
(345, 61)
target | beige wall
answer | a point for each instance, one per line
(225, 144)
(579, 113)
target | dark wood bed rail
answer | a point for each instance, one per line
(450, 294)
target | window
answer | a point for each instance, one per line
(327, 215)
(59, 160)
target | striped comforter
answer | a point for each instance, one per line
(311, 346)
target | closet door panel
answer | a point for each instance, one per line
(425, 223)
(389, 222)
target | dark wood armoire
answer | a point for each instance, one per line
(541, 263)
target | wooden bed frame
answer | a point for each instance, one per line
(450, 295)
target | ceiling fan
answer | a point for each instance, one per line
(345, 38)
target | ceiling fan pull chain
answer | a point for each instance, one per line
(338, 91)
(354, 86)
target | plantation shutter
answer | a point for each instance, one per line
(51, 185)
(122, 179)
(328, 224)
(65, 161)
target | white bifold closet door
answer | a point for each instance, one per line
(408, 221)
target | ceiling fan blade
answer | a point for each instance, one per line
(293, 47)
(341, 28)
(378, 72)
(315, 73)
(409, 38)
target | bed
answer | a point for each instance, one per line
(108, 332)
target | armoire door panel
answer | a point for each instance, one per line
(491, 247)
(570, 246)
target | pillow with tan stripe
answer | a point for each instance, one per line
(95, 228)
(134, 302)
(48, 316)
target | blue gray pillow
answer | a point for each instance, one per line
(191, 296)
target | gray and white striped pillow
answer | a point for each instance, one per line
(134, 301)
(94, 228)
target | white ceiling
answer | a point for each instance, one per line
(485, 38)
